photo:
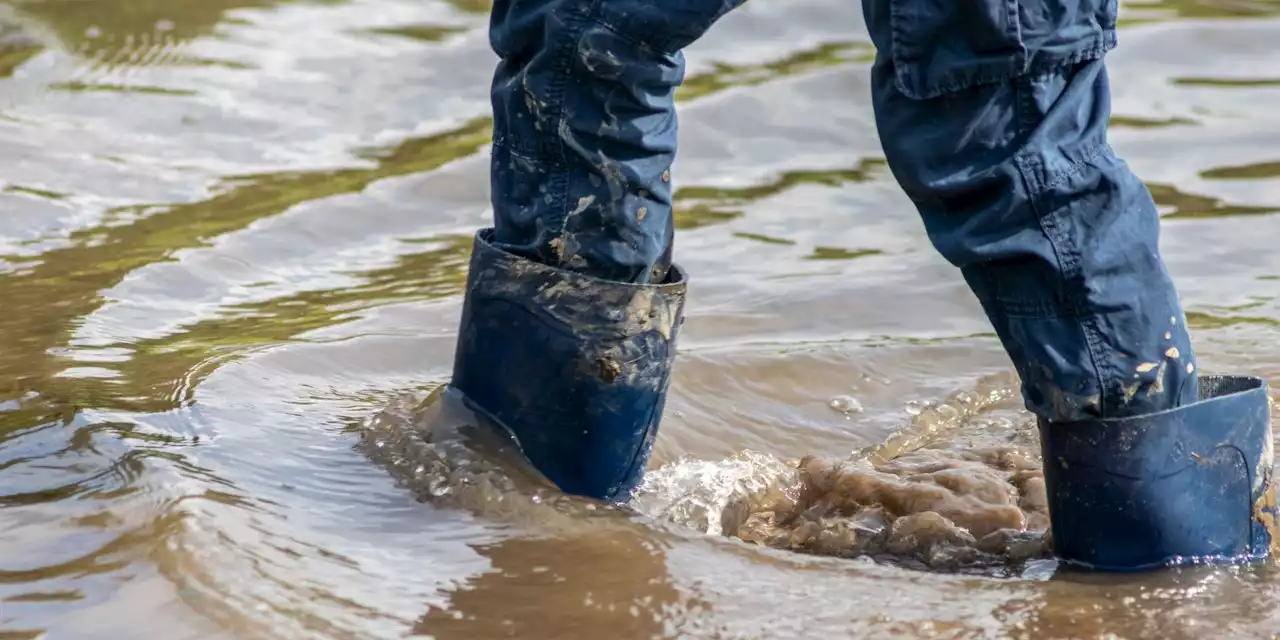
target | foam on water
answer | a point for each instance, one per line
(959, 488)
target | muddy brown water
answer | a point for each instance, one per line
(232, 239)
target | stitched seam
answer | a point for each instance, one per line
(1111, 395)
(1102, 43)
(1063, 250)
(1071, 272)
(1027, 310)
(559, 175)
(1020, 57)
(1028, 168)
(1091, 153)
(906, 69)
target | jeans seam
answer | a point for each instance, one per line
(575, 22)
(1019, 65)
(1061, 245)
(1091, 153)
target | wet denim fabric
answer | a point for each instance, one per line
(585, 129)
(993, 117)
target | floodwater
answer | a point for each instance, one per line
(233, 235)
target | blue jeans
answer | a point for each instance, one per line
(993, 117)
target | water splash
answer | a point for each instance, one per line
(448, 456)
(958, 488)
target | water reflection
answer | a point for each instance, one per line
(724, 76)
(1138, 122)
(1175, 605)
(614, 580)
(1180, 204)
(1256, 171)
(100, 257)
(1226, 82)
(16, 47)
(419, 32)
(1136, 13)
(134, 32)
(697, 207)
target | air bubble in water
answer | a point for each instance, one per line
(845, 404)
(916, 407)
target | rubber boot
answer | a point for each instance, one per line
(1190, 485)
(575, 368)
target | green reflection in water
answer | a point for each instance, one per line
(16, 47)
(1189, 205)
(136, 33)
(476, 7)
(1226, 82)
(114, 24)
(726, 76)
(164, 369)
(1136, 13)
(1259, 171)
(763, 238)
(1201, 320)
(32, 191)
(1227, 316)
(84, 87)
(698, 207)
(20, 634)
(837, 253)
(420, 32)
(69, 595)
(67, 283)
(1139, 122)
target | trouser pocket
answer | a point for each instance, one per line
(945, 47)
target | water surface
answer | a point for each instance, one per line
(233, 235)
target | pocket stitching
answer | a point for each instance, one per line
(910, 72)
(905, 74)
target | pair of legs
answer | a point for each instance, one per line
(993, 118)
(1002, 148)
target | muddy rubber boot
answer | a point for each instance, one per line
(1191, 485)
(576, 368)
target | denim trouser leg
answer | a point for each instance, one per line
(585, 129)
(993, 115)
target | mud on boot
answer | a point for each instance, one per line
(574, 367)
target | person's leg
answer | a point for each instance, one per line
(585, 129)
(573, 305)
(993, 117)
